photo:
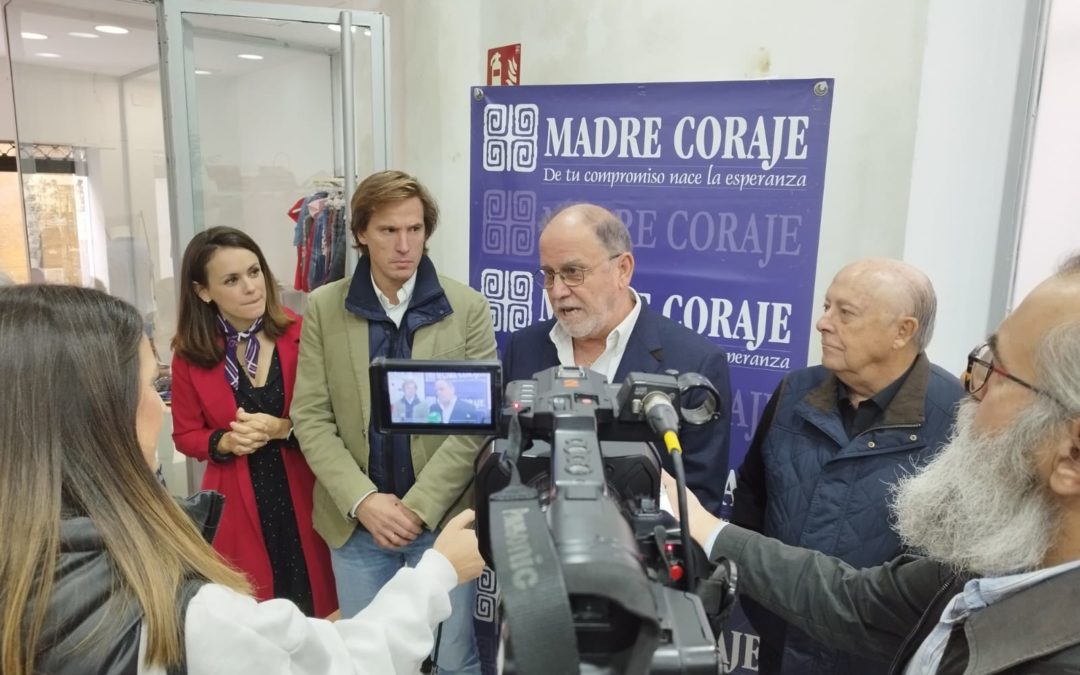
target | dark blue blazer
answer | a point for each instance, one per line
(463, 411)
(657, 344)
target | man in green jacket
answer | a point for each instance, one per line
(997, 515)
(381, 498)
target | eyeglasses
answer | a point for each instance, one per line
(981, 364)
(571, 276)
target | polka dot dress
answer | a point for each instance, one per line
(272, 497)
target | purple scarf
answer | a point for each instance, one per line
(251, 354)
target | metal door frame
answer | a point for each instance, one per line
(182, 143)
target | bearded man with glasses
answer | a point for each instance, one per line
(996, 517)
(601, 323)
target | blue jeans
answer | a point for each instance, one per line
(361, 568)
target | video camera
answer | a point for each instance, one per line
(595, 577)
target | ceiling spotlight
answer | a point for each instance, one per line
(111, 30)
(367, 32)
(337, 29)
(84, 35)
(203, 72)
(47, 55)
(34, 36)
(250, 57)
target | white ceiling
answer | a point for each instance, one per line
(217, 41)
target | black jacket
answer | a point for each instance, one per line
(83, 601)
(886, 612)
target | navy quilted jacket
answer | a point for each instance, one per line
(807, 484)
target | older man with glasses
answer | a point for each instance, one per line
(996, 516)
(601, 323)
(834, 438)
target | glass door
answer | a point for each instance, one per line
(91, 155)
(267, 105)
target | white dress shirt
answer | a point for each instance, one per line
(608, 362)
(396, 312)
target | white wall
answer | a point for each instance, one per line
(966, 126)
(924, 120)
(873, 50)
(1051, 226)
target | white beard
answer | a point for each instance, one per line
(585, 325)
(979, 506)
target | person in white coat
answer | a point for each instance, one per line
(104, 572)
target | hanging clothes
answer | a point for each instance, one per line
(320, 239)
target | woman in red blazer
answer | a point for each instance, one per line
(233, 371)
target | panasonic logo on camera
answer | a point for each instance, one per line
(523, 560)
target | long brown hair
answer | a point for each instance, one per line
(68, 443)
(198, 339)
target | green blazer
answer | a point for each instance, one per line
(331, 408)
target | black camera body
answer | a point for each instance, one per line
(572, 466)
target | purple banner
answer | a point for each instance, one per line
(720, 185)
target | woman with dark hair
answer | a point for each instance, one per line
(233, 370)
(102, 572)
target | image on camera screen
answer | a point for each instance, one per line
(440, 398)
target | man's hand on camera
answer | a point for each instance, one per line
(391, 523)
(458, 543)
(702, 523)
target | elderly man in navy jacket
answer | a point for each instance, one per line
(834, 438)
(601, 323)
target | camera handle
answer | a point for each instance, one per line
(541, 625)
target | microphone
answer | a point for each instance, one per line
(663, 419)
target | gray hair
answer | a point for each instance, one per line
(1057, 356)
(1057, 363)
(609, 229)
(1070, 266)
(923, 308)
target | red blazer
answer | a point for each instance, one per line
(203, 402)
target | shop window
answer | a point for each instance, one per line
(58, 220)
(13, 256)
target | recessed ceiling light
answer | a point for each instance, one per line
(250, 57)
(111, 30)
(34, 36)
(203, 72)
(367, 32)
(47, 55)
(79, 34)
(337, 29)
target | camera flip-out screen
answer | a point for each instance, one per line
(411, 396)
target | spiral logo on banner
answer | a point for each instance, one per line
(510, 294)
(510, 137)
(719, 185)
(509, 222)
